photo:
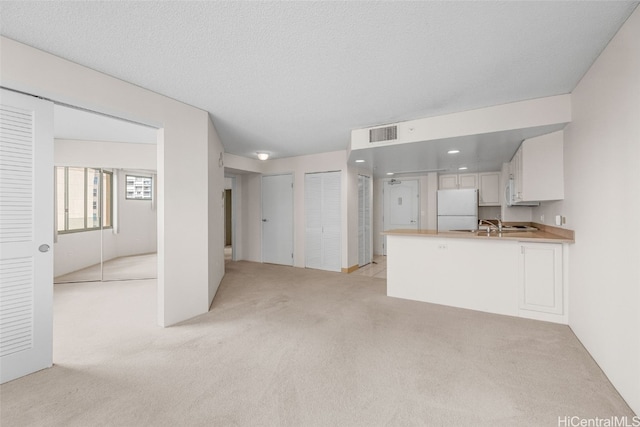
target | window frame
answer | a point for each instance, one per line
(101, 186)
(144, 199)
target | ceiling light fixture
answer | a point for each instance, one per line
(389, 173)
(262, 155)
(453, 151)
(359, 161)
(462, 168)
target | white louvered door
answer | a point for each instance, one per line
(323, 225)
(26, 234)
(364, 220)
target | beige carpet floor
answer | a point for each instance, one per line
(291, 347)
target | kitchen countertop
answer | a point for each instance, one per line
(544, 234)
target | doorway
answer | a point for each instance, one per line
(105, 196)
(229, 218)
(401, 200)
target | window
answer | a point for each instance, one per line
(83, 198)
(139, 187)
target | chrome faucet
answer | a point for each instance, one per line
(491, 225)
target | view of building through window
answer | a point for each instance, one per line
(83, 199)
(139, 187)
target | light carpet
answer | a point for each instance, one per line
(284, 346)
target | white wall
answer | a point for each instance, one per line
(115, 155)
(602, 205)
(249, 217)
(215, 226)
(182, 157)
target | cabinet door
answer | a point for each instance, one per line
(489, 186)
(448, 182)
(468, 180)
(541, 278)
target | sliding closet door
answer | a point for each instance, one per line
(364, 220)
(26, 235)
(323, 234)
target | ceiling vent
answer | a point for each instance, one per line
(388, 133)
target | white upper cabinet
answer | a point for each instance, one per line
(448, 182)
(468, 180)
(489, 186)
(538, 170)
(454, 181)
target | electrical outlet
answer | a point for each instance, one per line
(542, 218)
(558, 220)
(442, 246)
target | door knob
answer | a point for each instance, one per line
(264, 220)
(44, 248)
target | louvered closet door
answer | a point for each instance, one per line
(313, 220)
(26, 234)
(323, 232)
(364, 220)
(331, 222)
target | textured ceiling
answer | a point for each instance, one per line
(294, 78)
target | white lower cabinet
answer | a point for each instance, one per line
(541, 278)
(528, 281)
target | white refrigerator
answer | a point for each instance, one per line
(457, 209)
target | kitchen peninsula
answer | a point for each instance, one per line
(511, 273)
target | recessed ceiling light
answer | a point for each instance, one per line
(462, 168)
(359, 161)
(389, 173)
(453, 151)
(262, 155)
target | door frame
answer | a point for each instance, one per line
(386, 182)
(370, 218)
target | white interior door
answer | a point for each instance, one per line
(364, 220)
(26, 235)
(401, 206)
(277, 219)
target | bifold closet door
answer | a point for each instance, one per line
(322, 202)
(364, 220)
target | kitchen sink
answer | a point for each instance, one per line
(505, 229)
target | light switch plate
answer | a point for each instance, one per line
(558, 220)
